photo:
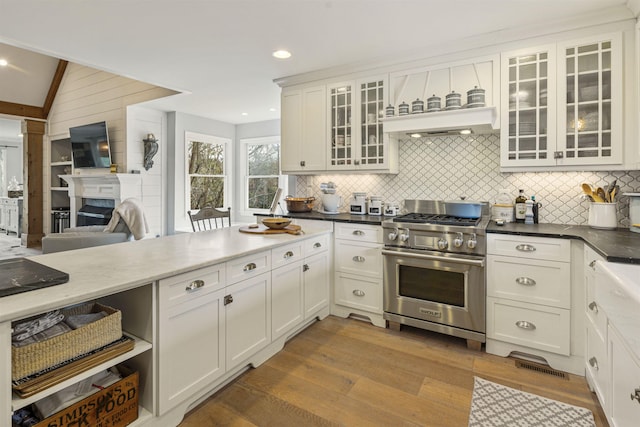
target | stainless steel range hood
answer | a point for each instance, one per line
(481, 120)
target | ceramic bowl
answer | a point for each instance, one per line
(276, 223)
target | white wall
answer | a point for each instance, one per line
(177, 125)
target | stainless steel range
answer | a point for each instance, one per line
(434, 260)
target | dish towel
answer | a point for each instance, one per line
(130, 210)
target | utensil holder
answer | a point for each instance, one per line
(603, 215)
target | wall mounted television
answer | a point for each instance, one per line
(90, 146)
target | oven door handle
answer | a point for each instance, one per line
(474, 262)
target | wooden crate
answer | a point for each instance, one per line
(115, 406)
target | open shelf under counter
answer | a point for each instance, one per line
(140, 346)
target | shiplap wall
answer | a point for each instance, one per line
(87, 95)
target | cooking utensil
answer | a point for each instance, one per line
(588, 190)
(600, 193)
(610, 188)
(612, 196)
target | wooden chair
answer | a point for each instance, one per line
(208, 218)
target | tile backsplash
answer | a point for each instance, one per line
(449, 167)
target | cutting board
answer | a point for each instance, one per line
(262, 229)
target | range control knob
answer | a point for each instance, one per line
(404, 236)
(472, 242)
(393, 235)
(459, 240)
(442, 244)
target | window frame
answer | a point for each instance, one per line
(227, 165)
(244, 171)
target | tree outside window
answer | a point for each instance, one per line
(206, 169)
(262, 172)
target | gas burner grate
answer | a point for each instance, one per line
(422, 218)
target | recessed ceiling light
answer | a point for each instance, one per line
(245, 114)
(3, 62)
(282, 54)
(415, 135)
(20, 135)
(465, 131)
(272, 109)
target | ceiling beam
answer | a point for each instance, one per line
(53, 89)
(22, 110)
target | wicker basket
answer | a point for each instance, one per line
(35, 357)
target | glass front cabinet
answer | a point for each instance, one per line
(356, 140)
(562, 104)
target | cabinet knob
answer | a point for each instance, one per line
(526, 248)
(592, 264)
(302, 163)
(250, 266)
(525, 281)
(358, 293)
(317, 245)
(358, 258)
(593, 307)
(594, 363)
(358, 233)
(306, 267)
(523, 324)
(196, 284)
(228, 299)
(288, 255)
(636, 395)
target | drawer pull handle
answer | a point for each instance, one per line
(358, 258)
(593, 307)
(523, 324)
(196, 284)
(250, 266)
(288, 255)
(525, 281)
(358, 233)
(636, 395)
(228, 299)
(317, 245)
(594, 363)
(592, 264)
(358, 293)
(526, 248)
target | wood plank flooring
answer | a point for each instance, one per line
(344, 372)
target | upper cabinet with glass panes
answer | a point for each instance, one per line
(356, 140)
(562, 104)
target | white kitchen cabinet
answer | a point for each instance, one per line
(248, 318)
(303, 130)
(287, 291)
(529, 305)
(596, 356)
(316, 283)
(356, 140)
(625, 382)
(191, 334)
(358, 272)
(11, 215)
(562, 104)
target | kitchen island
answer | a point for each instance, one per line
(139, 277)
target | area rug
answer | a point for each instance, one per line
(495, 405)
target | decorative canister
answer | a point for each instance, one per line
(433, 104)
(390, 111)
(417, 106)
(403, 109)
(453, 101)
(502, 209)
(475, 97)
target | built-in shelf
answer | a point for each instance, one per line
(140, 346)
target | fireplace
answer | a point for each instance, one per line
(104, 193)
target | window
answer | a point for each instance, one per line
(208, 171)
(261, 171)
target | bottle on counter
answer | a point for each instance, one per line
(521, 206)
(528, 215)
(536, 207)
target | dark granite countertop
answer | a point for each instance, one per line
(619, 245)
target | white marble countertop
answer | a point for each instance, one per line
(617, 293)
(103, 270)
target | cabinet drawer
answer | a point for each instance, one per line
(316, 244)
(596, 364)
(358, 292)
(536, 326)
(529, 247)
(248, 266)
(358, 258)
(359, 232)
(533, 281)
(286, 254)
(194, 284)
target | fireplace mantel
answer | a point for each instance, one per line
(113, 186)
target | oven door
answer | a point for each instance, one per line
(442, 288)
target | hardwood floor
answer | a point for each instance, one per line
(350, 373)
